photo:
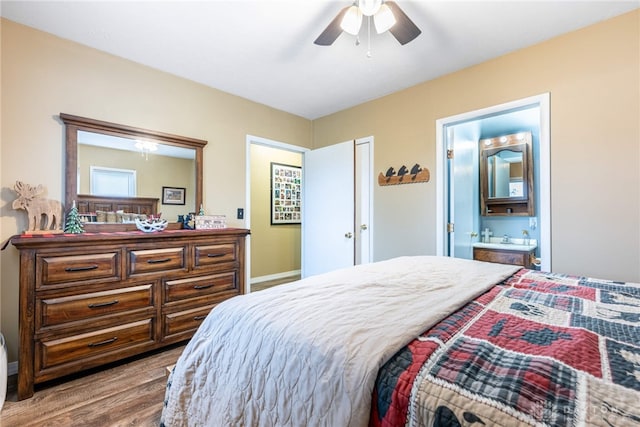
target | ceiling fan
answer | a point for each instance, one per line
(387, 16)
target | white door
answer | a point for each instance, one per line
(464, 187)
(328, 209)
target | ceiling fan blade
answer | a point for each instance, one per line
(404, 30)
(333, 30)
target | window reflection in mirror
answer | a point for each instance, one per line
(111, 182)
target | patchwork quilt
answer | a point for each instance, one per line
(538, 349)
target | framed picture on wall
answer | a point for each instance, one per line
(286, 194)
(173, 195)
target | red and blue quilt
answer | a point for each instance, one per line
(538, 349)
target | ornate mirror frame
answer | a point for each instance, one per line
(73, 124)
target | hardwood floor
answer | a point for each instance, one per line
(124, 394)
(271, 283)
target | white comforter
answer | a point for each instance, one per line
(308, 353)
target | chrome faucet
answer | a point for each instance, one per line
(505, 238)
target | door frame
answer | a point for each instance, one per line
(257, 140)
(442, 170)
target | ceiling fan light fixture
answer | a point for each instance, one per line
(352, 21)
(369, 7)
(384, 19)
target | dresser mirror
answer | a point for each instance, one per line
(506, 175)
(112, 167)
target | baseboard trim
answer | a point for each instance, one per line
(277, 276)
(12, 377)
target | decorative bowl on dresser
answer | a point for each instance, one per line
(94, 298)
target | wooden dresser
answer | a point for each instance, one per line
(94, 298)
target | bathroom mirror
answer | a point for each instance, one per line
(506, 175)
(138, 165)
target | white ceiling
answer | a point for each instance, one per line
(263, 50)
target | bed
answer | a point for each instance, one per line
(431, 341)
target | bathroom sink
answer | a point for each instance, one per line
(506, 246)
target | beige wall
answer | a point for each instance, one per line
(43, 76)
(593, 77)
(274, 248)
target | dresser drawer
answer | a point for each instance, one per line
(206, 255)
(152, 260)
(74, 268)
(77, 347)
(55, 311)
(176, 290)
(184, 321)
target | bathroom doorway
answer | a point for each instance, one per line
(459, 220)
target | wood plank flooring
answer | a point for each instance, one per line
(271, 283)
(125, 394)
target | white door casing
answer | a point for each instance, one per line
(363, 205)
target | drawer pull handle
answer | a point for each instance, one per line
(85, 268)
(103, 304)
(199, 287)
(199, 317)
(105, 342)
(215, 255)
(158, 261)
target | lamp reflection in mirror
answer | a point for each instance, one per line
(146, 147)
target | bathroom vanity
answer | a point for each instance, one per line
(515, 253)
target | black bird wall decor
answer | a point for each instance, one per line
(415, 174)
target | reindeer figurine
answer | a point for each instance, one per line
(29, 199)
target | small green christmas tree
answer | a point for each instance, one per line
(201, 212)
(73, 224)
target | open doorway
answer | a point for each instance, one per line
(458, 219)
(349, 221)
(273, 251)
